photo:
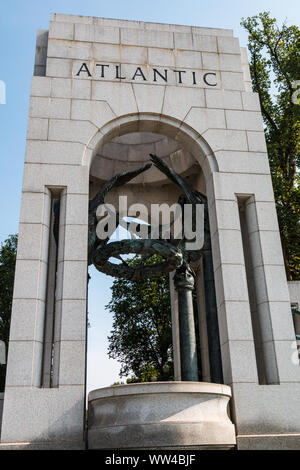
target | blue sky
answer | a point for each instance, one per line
(19, 20)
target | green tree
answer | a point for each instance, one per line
(141, 336)
(8, 252)
(275, 66)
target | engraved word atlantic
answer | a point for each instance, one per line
(143, 74)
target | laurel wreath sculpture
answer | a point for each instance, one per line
(172, 252)
(172, 257)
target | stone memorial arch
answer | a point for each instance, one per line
(105, 94)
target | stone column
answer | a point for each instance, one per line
(234, 318)
(272, 294)
(48, 414)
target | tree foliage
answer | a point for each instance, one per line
(274, 66)
(141, 336)
(8, 252)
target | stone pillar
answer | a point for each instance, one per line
(272, 295)
(235, 328)
(49, 416)
(256, 422)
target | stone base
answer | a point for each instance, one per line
(269, 442)
(50, 445)
(161, 415)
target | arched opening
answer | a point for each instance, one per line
(124, 145)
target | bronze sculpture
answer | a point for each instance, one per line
(175, 258)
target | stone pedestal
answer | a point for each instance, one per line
(167, 415)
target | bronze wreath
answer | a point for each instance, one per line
(173, 258)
